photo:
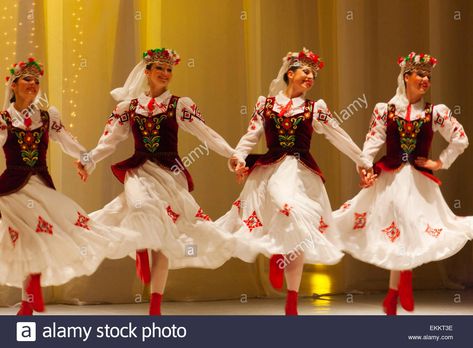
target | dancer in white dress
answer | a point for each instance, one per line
(45, 237)
(283, 209)
(402, 221)
(156, 201)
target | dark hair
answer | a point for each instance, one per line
(409, 73)
(149, 66)
(13, 98)
(293, 69)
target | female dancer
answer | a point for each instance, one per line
(402, 221)
(156, 201)
(45, 237)
(283, 208)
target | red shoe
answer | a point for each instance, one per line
(291, 302)
(390, 302)
(405, 291)
(276, 272)
(155, 304)
(142, 266)
(25, 309)
(34, 292)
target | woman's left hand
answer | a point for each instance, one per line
(428, 163)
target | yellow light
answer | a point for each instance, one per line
(71, 125)
(320, 283)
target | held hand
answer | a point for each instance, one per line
(234, 161)
(428, 163)
(81, 171)
(367, 177)
(241, 173)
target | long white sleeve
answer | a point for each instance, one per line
(116, 130)
(255, 129)
(324, 123)
(452, 131)
(3, 132)
(376, 136)
(58, 133)
(190, 120)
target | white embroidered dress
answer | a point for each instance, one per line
(284, 206)
(403, 221)
(156, 201)
(44, 231)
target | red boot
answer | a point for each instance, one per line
(34, 292)
(155, 304)
(390, 302)
(276, 272)
(25, 309)
(291, 302)
(142, 266)
(405, 291)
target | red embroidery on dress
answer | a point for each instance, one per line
(57, 126)
(82, 221)
(286, 210)
(253, 222)
(188, 115)
(360, 221)
(392, 231)
(238, 205)
(44, 226)
(345, 205)
(200, 214)
(13, 235)
(322, 225)
(122, 119)
(172, 214)
(434, 232)
(323, 116)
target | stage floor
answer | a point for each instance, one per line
(438, 302)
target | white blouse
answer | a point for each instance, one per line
(57, 131)
(326, 125)
(188, 118)
(442, 121)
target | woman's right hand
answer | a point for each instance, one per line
(241, 172)
(234, 162)
(367, 177)
(81, 171)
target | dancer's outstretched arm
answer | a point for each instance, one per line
(324, 123)
(190, 120)
(66, 140)
(116, 130)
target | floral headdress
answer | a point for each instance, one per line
(417, 62)
(136, 82)
(297, 59)
(305, 58)
(29, 68)
(161, 55)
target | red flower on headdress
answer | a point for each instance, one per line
(31, 59)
